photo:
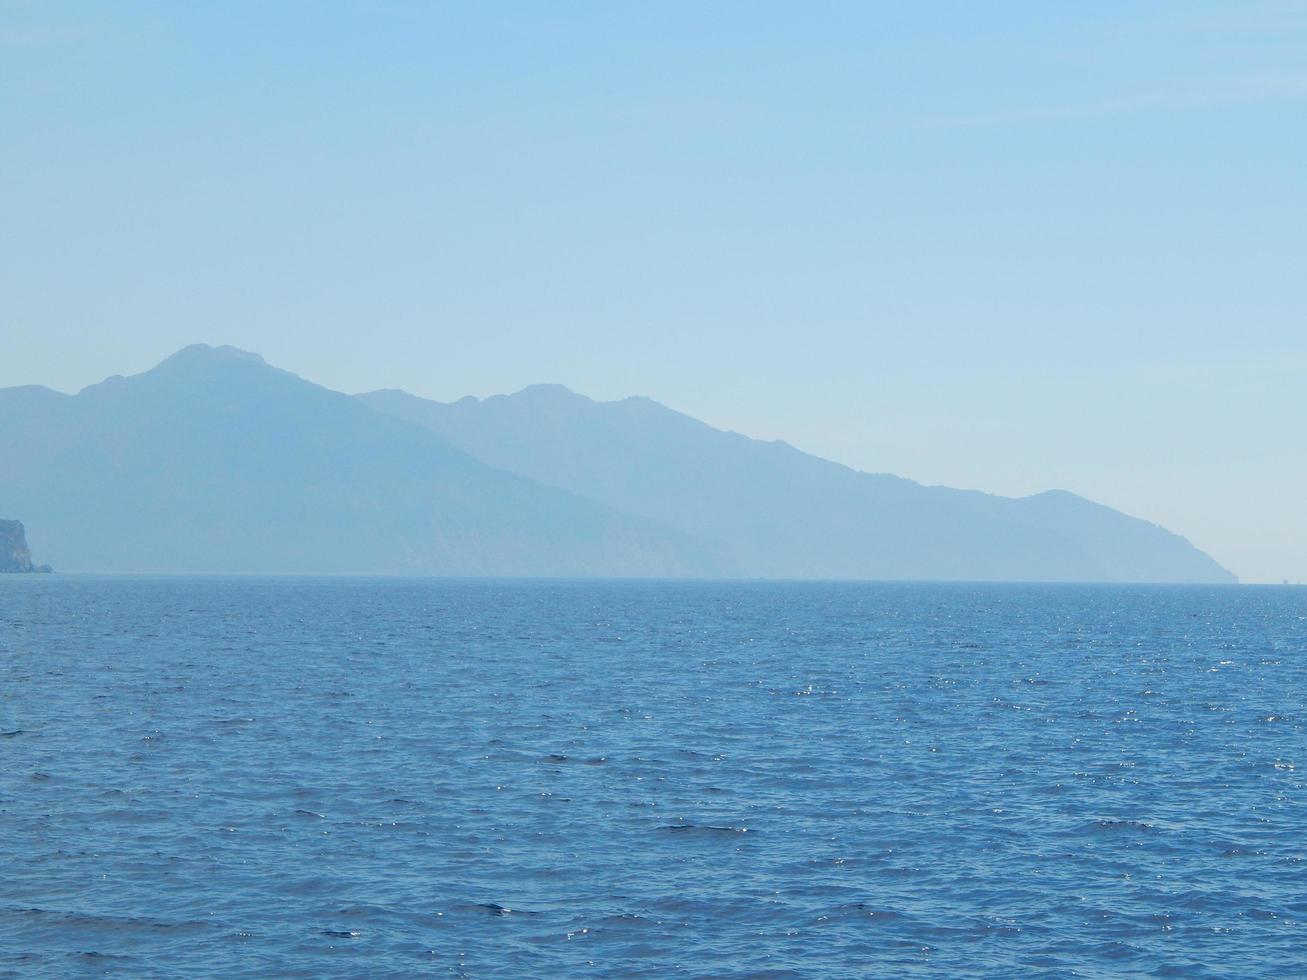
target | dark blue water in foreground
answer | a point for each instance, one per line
(376, 778)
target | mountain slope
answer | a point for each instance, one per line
(215, 462)
(784, 513)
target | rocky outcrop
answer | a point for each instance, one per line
(14, 555)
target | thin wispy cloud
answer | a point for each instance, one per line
(24, 36)
(1279, 17)
(1249, 89)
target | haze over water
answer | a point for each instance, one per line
(383, 777)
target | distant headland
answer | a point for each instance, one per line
(215, 461)
(14, 553)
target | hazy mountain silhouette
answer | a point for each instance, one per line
(783, 513)
(215, 462)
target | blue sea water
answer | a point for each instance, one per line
(327, 777)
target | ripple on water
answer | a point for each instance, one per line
(208, 777)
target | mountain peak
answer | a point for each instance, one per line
(206, 353)
(551, 394)
(199, 364)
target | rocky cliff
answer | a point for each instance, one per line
(14, 555)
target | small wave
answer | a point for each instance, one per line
(96, 956)
(104, 922)
(1125, 825)
(494, 908)
(872, 912)
(704, 829)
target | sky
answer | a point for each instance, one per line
(1011, 246)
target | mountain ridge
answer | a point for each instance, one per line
(887, 526)
(214, 461)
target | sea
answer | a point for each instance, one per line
(321, 777)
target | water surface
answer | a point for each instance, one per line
(316, 777)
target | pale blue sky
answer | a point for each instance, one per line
(1010, 246)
